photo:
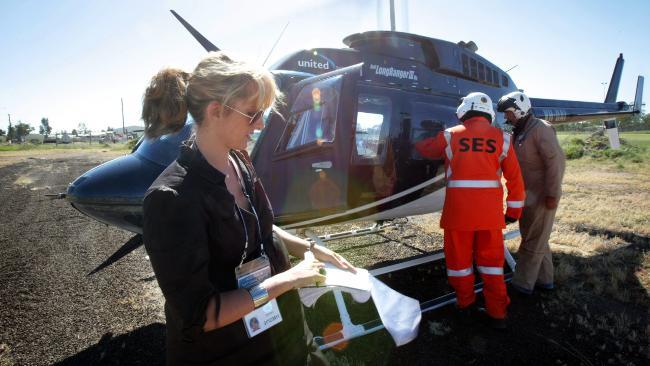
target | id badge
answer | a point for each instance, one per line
(262, 318)
(249, 275)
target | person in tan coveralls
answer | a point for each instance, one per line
(542, 165)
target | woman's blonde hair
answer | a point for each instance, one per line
(173, 93)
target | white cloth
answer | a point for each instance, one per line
(400, 314)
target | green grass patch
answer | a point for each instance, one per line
(640, 138)
(635, 147)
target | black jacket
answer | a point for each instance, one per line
(195, 238)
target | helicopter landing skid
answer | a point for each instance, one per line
(374, 229)
(350, 330)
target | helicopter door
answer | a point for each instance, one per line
(428, 116)
(373, 173)
(312, 169)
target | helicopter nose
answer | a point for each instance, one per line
(112, 193)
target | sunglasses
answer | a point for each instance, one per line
(252, 118)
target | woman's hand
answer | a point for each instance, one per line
(326, 255)
(305, 274)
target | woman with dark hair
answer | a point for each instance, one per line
(208, 225)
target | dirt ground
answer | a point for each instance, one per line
(53, 312)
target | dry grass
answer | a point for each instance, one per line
(13, 157)
(599, 196)
(643, 274)
(604, 267)
(5, 355)
(151, 300)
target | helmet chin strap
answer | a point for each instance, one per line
(525, 117)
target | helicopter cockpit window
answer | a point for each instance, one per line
(313, 114)
(474, 68)
(465, 65)
(373, 113)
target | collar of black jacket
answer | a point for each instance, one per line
(521, 125)
(191, 158)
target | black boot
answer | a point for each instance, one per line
(494, 323)
(497, 324)
(467, 315)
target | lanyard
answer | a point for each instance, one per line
(241, 216)
(193, 145)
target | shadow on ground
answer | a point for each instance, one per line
(143, 346)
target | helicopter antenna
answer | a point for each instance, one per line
(392, 15)
(511, 68)
(275, 44)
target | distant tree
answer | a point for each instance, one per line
(586, 126)
(629, 123)
(74, 132)
(11, 132)
(44, 128)
(109, 129)
(22, 130)
(82, 128)
(2, 132)
(626, 123)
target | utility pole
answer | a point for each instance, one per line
(123, 128)
(392, 15)
(604, 90)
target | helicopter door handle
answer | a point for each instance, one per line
(322, 165)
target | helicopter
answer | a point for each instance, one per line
(342, 147)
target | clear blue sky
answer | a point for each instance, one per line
(73, 60)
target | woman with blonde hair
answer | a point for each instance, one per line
(208, 225)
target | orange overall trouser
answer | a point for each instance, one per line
(486, 248)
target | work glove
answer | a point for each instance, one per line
(509, 220)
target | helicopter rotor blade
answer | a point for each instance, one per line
(198, 36)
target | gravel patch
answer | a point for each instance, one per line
(53, 312)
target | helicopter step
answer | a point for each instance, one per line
(350, 330)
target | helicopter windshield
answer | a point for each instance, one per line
(313, 114)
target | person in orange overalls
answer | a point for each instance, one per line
(476, 155)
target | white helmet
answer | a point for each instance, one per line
(515, 102)
(478, 102)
